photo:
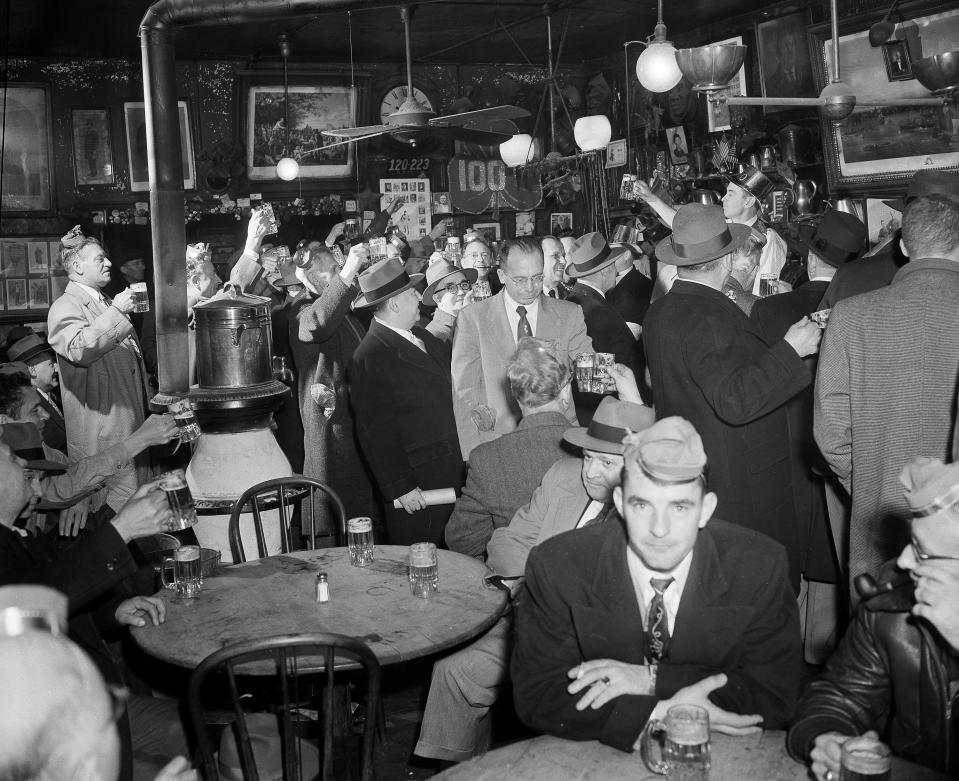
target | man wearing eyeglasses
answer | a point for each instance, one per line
(897, 669)
(487, 334)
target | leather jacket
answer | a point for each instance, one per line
(890, 674)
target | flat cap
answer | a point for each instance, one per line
(931, 486)
(670, 450)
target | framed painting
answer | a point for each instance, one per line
(29, 270)
(785, 68)
(92, 147)
(718, 113)
(134, 115)
(317, 102)
(898, 65)
(877, 146)
(26, 140)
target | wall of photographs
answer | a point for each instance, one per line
(30, 276)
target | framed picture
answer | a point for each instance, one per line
(785, 67)
(92, 146)
(441, 203)
(561, 223)
(39, 292)
(29, 266)
(525, 223)
(717, 114)
(676, 145)
(37, 257)
(616, 153)
(17, 299)
(26, 133)
(318, 102)
(490, 230)
(885, 145)
(413, 217)
(881, 222)
(898, 65)
(134, 116)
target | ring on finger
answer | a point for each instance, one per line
(830, 776)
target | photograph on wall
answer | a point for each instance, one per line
(882, 222)
(53, 250)
(37, 257)
(39, 293)
(17, 295)
(14, 260)
(412, 216)
(25, 144)
(718, 112)
(898, 64)
(441, 203)
(490, 231)
(677, 146)
(92, 146)
(785, 68)
(616, 153)
(312, 110)
(525, 223)
(134, 115)
(561, 223)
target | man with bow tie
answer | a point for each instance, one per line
(102, 376)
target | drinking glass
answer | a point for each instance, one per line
(481, 290)
(359, 538)
(377, 249)
(187, 572)
(768, 285)
(424, 571)
(141, 303)
(865, 759)
(186, 423)
(180, 499)
(683, 737)
(584, 370)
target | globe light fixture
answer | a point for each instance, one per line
(287, 169)
(593, 132)
(656, 67)
(519, 150)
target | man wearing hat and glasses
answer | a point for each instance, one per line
(448, 289)
(709, 364)
(402, 395)
(621, 620)
(896, 670)
(574, 493)
(34, 351)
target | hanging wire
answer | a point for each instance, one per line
(356, 163)
(6, 79)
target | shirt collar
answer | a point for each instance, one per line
(511, 304)
(679, 574)
(408, 335)
(585, 282)
(93, 292)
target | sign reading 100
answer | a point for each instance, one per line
(481, 175)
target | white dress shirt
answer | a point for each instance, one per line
(93, 292)
(532, 313)
(641, 575)
(591, 511)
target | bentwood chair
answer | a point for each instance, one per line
(283, 494)
(302, 680)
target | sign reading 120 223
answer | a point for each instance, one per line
(410, 164)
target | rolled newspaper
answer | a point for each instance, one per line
(434, 496)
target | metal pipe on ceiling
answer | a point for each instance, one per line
(163, 152)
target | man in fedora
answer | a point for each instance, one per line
(574, 493)
(709, 364)
(631, 294)
(448, 290)
(742, 204)
(487, 333)
(621, 620)
(877, 267)
(33, 350)
(886, 383)
(403, 401)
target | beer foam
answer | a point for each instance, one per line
(172, 483)
(189, 553)
(357, 525)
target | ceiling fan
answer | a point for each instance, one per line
(413, 120)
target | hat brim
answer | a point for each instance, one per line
(50, 467)
(361, 301)
(805, 240)
(760, 198)
(577, 436)
(613, 257)
(471, 275)
(738, 233)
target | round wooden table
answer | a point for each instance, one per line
(760, 757)
(276, 595)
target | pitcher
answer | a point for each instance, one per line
(805, 191)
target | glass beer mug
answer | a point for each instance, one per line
(683, 737)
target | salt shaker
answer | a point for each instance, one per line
(322, 587)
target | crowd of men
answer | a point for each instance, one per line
(692, 537)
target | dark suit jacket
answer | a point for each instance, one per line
(55, 430)
(403, 404)
(631, 296)
(737, 615)
(502, 477)
(865, 274)
(710, 365)
(773, 316)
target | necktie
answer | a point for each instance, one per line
(522, 327)
(552, 292)
(417, 341)
(657, 627)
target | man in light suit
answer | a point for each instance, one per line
(574, 492)
(400, 389)
(621, 620)
(487, 334)
(102, 376)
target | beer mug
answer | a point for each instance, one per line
(141, 303)
(584, 370)
(185, 419)
(272, 226)
(377, 249)
(359, 539)
(683, 737)
(481, 290)
(424, 569)
(865, 759)
(187, 571)
(180, 499)
(768, 285)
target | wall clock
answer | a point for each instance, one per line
(394, 98)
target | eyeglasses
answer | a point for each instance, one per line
(478, 255)
(921, 555)
(452, 287)
(536, 281)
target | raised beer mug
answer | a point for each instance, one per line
(683, 738)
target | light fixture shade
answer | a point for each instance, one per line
(519, 150)
(592, 133)
(710, 68)
(656, 67)
(287, 169)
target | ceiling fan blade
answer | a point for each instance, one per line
(360, 138)
(353, 132)
(484, 137)
(482, 115)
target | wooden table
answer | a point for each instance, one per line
(276, 595)
(759, 757)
